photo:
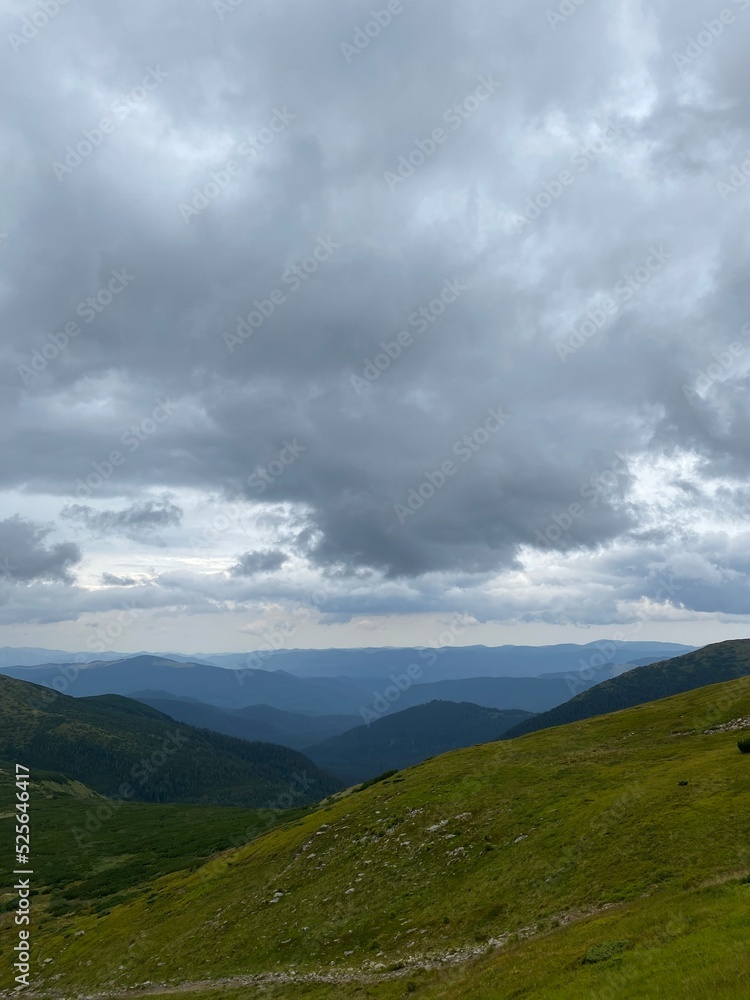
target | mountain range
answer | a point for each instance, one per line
(127, 750)
(600, 858)
(722, 661)
(408, 737)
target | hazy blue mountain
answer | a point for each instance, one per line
(254, 722)
(318, 696)
(447, 663)
(411, 736)
(212, 685)
(451, 662)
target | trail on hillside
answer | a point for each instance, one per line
(371, 974)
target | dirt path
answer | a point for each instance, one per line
(370, 974)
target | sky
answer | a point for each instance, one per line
(336, 324)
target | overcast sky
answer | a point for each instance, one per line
(363, 330)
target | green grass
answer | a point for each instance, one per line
(686, 946)
(86, 862)
(515, 837)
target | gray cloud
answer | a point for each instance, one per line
(289, 422)
(112, 580)
(252, 563)
(136, 522)
(25, 556)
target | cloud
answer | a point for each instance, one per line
(25, 558)
(111, 580)
(575, 201)
(136, 522)
(252, 563)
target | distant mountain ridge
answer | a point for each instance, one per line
(721, 661)
(409, 737)
(253, 722)
(321, 696)
(113, 743)
(445, 663)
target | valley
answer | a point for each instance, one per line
(579, 858)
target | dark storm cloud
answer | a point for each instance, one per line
(589, 324)
(259, 562)
(26, 556)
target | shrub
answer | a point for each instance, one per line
(604, 951)
(374, 781)
(744, 745)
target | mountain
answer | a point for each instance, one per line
(125, 749)
(322, 696)
(606, 858)
(532, 694)
(32, 656)
(443, 663)
(29, 656)
(405, 738)
(449, 662)
(212, 685)
(254, 722)
(721, 661)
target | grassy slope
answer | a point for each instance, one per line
(84, 863)
(459, 850)
(721, 661)
(105, 740)
(686, 946)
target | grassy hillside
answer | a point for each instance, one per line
(721, 661)
(406, 738)
(606, 855)
(90, 854)
(123, 748)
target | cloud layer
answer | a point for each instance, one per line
(446, 312)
